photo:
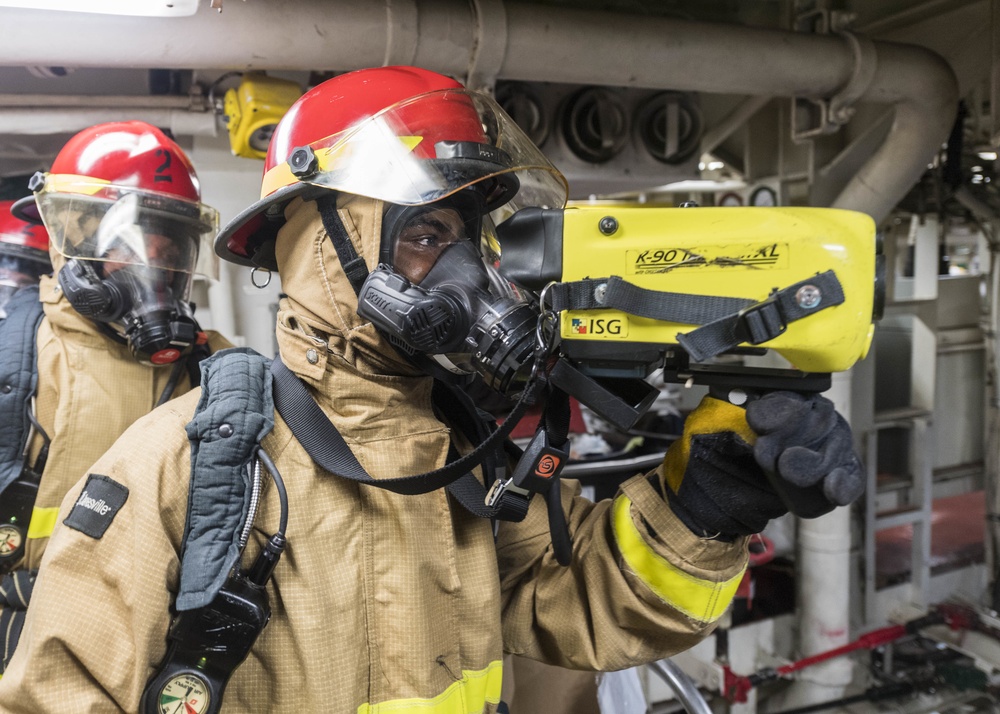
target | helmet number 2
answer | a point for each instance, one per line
(161, 174)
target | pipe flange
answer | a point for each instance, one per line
(490, 44)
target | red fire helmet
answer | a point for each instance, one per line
(403, 135)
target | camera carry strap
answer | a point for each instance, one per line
(726, 322)
(538, 467)
(325, 445)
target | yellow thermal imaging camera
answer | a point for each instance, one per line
(637, 288)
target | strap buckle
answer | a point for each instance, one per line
(761, 322)
(497, 491)
(509, 501)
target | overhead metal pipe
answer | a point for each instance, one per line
(543, 43)
(52, 120)
(100, 101)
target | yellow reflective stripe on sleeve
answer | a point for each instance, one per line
(43, 522)
(700, 599)
(467, 696)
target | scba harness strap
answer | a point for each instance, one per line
(18, 384)
(18, 478)
(321, 440)
(235, 412)
(18, 380)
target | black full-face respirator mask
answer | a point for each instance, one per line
(143, 306)
(130, 259)
(132, 275)
(438, 298)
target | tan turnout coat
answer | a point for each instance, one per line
(381, 603)
(90, 390)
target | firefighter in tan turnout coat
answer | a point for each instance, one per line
(105, 355)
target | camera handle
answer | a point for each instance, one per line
(804, 502)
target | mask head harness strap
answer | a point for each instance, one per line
(352, 263)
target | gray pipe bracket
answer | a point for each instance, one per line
(865, 63)
(811, 116)
(489, 47)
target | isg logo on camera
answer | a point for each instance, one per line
(613, 327)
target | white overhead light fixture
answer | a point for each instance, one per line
(143, 8)
(988, 155)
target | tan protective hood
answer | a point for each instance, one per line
(321, 310)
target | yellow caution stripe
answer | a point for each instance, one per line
(328, 158)
(467, 696)
(73, 183)
(702, 600)
(43, 522)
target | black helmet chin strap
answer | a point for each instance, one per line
(352, 263)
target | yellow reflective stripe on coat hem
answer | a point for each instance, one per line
(466, 696)
(43, 522)
(700, 599)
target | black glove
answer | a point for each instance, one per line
(713, 483)
(806, 449)
(733, 471)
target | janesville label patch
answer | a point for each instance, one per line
(97, 506)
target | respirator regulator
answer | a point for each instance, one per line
(436, 292)
(143, 306)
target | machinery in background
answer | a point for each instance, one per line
(253, 109)
(945, 661)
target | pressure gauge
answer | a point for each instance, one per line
(763, 196)
(186, 693)
(10, 539)
(730, 199)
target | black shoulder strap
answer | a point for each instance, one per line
(461, 412)
(234, 413)
(18, 379)
(324, 444)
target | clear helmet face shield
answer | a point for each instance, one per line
(130, 259)
(427, 148)
(437, 292)
(96, 221)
